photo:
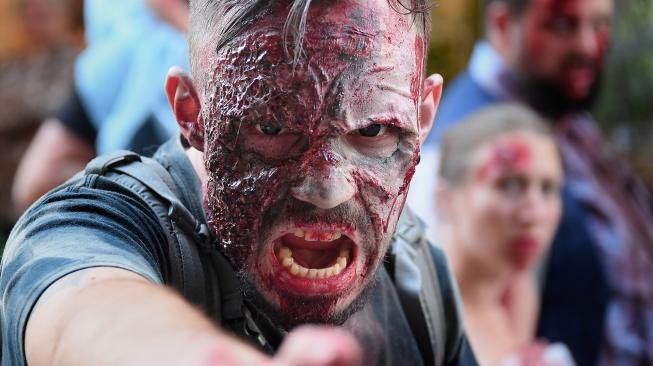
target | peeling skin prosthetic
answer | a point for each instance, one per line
(309, 161)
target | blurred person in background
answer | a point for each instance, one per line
(550, 54)
(499, 204)
(118, 101)
(33, 85)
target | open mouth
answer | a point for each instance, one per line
(314, 254)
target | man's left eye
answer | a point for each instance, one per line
(269, 130)
(372, 130)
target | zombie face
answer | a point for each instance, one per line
(560, 50)
(505, 214)
(308, 162)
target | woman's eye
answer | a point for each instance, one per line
(513, 185)
(269, 130)
(372, 130)
(550, 188)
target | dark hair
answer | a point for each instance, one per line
(463, 140)
(516, 7)
(222, 20)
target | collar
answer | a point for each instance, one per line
(489, 70)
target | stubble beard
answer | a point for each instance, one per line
(548, 98)
(246, 253)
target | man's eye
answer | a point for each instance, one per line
(269, 130)
(372, 130)
(563, 25)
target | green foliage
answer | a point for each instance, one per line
(454, 32)
(626, 100)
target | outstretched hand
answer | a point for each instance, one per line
(304, 346)
(318, 346)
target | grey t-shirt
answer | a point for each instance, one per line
(94, 222)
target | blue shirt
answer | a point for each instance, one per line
(120, 76)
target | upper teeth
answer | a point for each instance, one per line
(317, 235)
(286, 259)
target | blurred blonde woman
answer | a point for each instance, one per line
(499, 205)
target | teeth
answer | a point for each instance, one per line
(303, 271)
(311, 236)
(342, 261)
(287, 262)
(284, 253)
(285, 257)
(316, 235)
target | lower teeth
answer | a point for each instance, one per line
(286, 259)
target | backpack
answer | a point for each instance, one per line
(431, 307)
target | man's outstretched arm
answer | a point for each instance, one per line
(108, 316)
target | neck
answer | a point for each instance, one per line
(196, 158)
(480, 285)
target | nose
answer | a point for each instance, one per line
(586, 41)
(324, 188)
(532, 208)
(326, 183)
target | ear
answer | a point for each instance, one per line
(498, 23)
(186, 106)
(430, 102)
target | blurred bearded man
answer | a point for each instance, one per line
(549, 54)
(278, 206)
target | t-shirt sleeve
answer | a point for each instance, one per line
(73, 116)
(94, 223)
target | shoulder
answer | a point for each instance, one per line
(88, 214)
(461, 97)
(89, 222)
(438, 295)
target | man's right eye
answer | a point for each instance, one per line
(269, 130)
(372, 130)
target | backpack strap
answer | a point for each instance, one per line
(423, 283)
(182, 228)
(188, 237)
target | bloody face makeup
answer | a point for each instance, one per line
(508, 209)
(562, 50)
(511, 155)
(309, 162)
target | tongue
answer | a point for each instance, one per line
(317, 259)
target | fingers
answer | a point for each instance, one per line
(319, 346)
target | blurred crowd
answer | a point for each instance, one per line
(549, 234)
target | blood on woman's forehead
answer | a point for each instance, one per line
(506, 155)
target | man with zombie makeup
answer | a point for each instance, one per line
(549, 54)
(278, 206)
